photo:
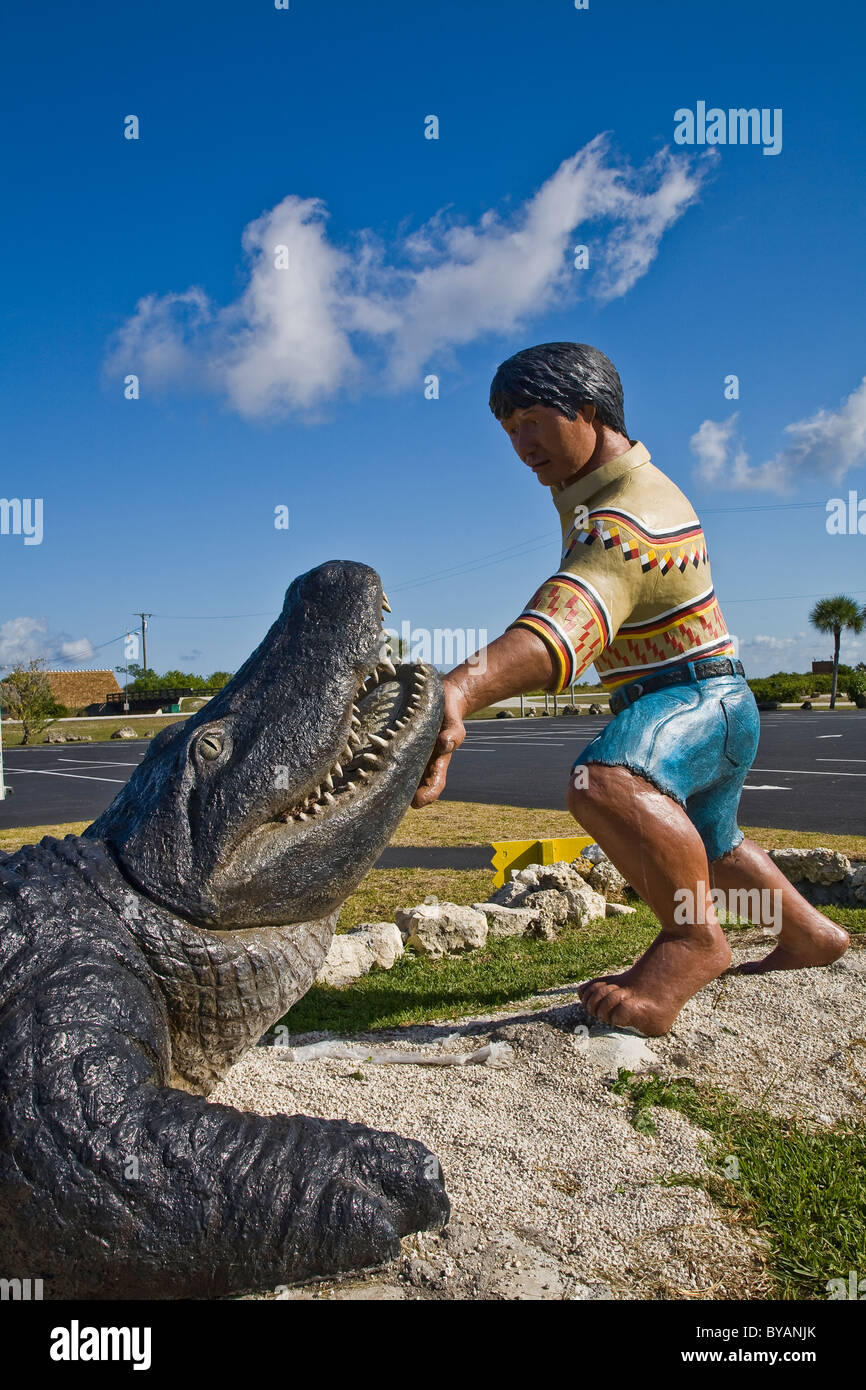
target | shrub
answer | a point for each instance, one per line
(856, 688)
(787, 687)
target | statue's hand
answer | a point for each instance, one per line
(451, 735)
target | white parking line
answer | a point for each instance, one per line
(807, 772)
(97, 762)
(840, 760)
(526, 742)
(78, 776)
(764, 787)
(828, 735)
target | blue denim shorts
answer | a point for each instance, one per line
(694, 742)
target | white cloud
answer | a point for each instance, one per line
(77, 650)
(767, 642)
(723, 462)
(27, 639)
(828, 443)
(295, 337)
(824, 445)
(21, 640)
(765, 653)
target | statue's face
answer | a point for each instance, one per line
(554, 447)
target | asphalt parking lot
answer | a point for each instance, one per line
(810, 772)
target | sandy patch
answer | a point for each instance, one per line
(554, 1194)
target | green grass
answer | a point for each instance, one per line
(382, 891)
(419, 990)
(803, 1189)
(479, 823)
(100, 730)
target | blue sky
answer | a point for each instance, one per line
(411, 257)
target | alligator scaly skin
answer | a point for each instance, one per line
(113, 1181)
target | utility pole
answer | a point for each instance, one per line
(144, 617)
(2, 783)
(5, 790)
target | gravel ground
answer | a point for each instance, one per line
(554, 1194)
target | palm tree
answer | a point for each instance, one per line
(833, 615)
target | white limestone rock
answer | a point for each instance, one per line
(505, 921)
(354, 953)
(620, 910)
(857, 884)
(606, 879)
(384, 939)
(818, 865)
(442, 929)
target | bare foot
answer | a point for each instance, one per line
(650, 994)
(800, 947)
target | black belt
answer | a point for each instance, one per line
(680, 675)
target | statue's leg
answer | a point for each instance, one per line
(112, 1184)
(653, 843)
(805, 937)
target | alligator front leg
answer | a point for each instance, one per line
(182, 1198)
(113, 1184)
(263, 1200)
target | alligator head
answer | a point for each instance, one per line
(269, 805)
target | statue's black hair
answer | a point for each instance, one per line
(562, 375)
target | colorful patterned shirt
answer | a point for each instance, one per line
(633, 593)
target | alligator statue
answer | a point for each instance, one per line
(140, 960)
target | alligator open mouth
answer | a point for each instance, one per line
(269, 805)
(383, 707)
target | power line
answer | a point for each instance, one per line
(209, 617)
(529, 546)
(777, 598)
(515, 551)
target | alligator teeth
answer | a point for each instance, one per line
(379, 742)
(385, 604)
(338, 769)
(355, 739)
(356, 719)
(301, 815)
(329, 782)
(401, 724)
(364, 772)
(329, 797)
(315, 809)
(347, 753)
(372, 758)
(389, 667)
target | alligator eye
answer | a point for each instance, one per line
(210, 746)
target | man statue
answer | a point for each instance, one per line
(659, 788)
